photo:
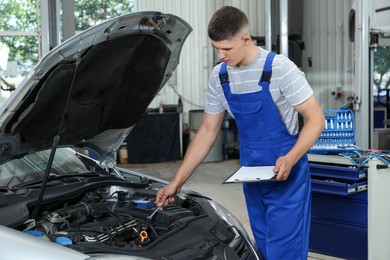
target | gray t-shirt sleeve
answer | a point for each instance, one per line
(293, 84)
(213, 103)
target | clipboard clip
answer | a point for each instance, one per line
(247, 180)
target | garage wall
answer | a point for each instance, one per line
(325, 33)
(197, 57)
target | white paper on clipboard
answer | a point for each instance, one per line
(252, 174)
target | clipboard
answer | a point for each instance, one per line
(252, 174)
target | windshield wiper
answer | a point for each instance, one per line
(5, 188)
(54, 177)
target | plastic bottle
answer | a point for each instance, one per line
(179, 105)
(161, 108)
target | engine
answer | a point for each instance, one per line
(113, 216)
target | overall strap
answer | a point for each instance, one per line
(223, 75)
(267, 70)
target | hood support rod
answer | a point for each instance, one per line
(54, 146)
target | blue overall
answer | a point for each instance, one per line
(279, 211)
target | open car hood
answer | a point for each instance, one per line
(105, 77)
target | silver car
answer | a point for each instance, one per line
(56, 202)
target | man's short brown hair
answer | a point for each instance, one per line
(226, 23)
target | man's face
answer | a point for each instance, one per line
(232, 51)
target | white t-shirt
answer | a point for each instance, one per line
(288, 87)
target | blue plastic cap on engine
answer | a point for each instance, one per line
(34, 233)
(64, 241)
(143, 203)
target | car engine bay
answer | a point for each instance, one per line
(123, 219)
(111, 217)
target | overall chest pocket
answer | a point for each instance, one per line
(246, 104)
(250, 120)
(246, 108)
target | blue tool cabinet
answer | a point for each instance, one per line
(350, 216)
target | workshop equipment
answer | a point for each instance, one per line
(338, 135)
(350, 209)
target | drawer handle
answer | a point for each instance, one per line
(382, 166)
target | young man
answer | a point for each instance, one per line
(264, 93)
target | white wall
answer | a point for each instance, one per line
(381, 16)
(197, 57)
(325, 33)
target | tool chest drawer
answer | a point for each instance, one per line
(337, 188)
(343, 210)
(338, 240)
(337, 180)
(339, 225)
(338, 172)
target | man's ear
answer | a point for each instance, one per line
(247, 39)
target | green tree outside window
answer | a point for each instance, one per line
(22, 16)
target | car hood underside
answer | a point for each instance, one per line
(91, 90)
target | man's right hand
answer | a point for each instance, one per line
(166, 194)
(197, 150)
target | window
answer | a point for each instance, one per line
(381, 86)
(19, 42)
(20, 32)
(92, 12)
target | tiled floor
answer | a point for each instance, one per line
(208, 179)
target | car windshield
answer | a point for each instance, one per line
(32, 167)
